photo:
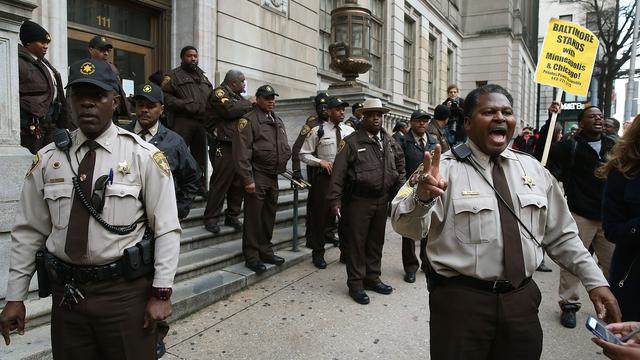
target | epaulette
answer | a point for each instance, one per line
(137, 139)
(522, 152)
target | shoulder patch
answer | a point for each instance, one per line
(306, 129)
(166, 79)
(219, 93)
(242, 123)
(341, 145)
(161, 161)
(405, 191)
(311, 118)
(34, 164)
(224, 100)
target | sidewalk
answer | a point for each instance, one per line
(306, 313)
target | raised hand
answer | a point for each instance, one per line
(430, 183)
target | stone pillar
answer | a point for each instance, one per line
(14, 159)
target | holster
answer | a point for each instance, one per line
(44, 285)
(138, 260)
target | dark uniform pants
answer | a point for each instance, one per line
(365, 233)
(472, 324)
(107, 324)
(409, 260)
(260, 217)
(224, 181)
(308, 233)
(194, 134)
(323, 221)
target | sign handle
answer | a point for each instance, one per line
(551, 130)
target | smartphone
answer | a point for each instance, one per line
(599, 329)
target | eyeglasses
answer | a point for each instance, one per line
(97, 198)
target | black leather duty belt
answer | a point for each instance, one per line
(497, 286)
(61, 272)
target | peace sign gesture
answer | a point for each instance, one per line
(430, 183)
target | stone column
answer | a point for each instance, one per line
(14, 159)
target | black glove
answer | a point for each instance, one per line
(297, 175)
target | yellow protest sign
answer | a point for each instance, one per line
(567, 57)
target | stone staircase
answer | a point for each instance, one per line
(211, 266)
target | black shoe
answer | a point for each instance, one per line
(319, 263)
(233, 222)
(160, 349)
(380, 288)
(410, 277)
(256, 266)
(359, 296)
(275, 260)
(214, 228)
(543, 267)
(568, 317)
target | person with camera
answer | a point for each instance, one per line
(457, 132)
(90, 205)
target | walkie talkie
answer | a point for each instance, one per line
(461, 151)
(62, 139)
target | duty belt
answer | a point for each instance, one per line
(495, 286)
(61, 272)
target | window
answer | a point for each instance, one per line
(324, 59)
(481, 83)
(377, 12)
(409, 56)
(432, 68)
(450, 66)
(566, 17)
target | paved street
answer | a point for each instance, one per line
(305, 313)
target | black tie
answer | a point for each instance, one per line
(512, 244)
(422, 144)
(77, 231)
(338, 136)
(143, 134)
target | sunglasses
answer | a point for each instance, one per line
(97, 198)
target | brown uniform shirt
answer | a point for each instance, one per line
(434, 130)
(260, 144)
(312, 121)
(226, 107)
(186, 93)
(371, 171)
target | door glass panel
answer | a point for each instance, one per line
(130, 65)
(77, 50)
(110, 16)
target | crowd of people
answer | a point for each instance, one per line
(100, 208)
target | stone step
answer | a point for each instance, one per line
(195, 218)
(197, 237)
(189, 295)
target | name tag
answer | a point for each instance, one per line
(470, 193)
(361, 150)
(55, 180)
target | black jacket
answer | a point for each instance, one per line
(185, 170)
(574, 162)
(621, 224)
(413, 153)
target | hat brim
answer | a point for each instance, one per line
(148, 97)
(268, 94)
(381, 109)
(425, 116)
(100, 84)
(342, 104)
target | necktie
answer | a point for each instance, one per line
(77, 232)
(377, 140)
(512, 247)
(422, 144)
(338, 137)
(143, 134)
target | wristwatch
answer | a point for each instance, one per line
(162, 293)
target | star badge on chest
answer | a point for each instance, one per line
(528, 181)
(124, 168)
